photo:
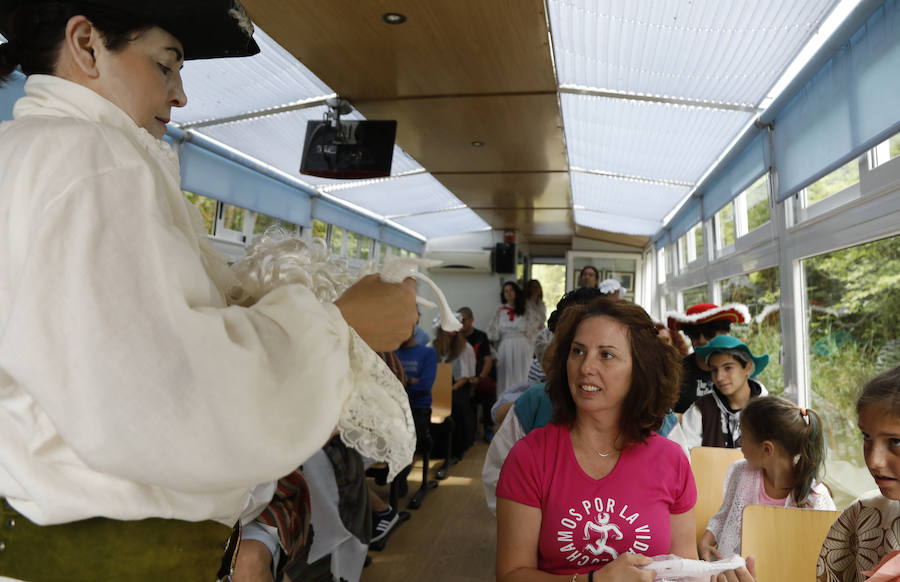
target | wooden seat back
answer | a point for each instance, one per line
(786, 541)
(442, 393)
(709, 465)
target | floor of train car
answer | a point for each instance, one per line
(452, 537)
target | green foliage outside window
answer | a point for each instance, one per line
(207, 208)
(758, 203)
(834, 182)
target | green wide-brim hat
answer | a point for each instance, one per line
(206, 28)
(729, 342)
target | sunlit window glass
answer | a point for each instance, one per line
(352, 245)
(365, 247)
(695, 295)
(661, 264)
(207, 208)
(836, 181)
(319, 229)
(724, 225)
(337, 240)
(233, 217)
(757, 196)
(683, 251)
(759, 291)
(854, 315)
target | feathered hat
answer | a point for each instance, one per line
(706, 312)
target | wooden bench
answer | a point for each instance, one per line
(709, 465)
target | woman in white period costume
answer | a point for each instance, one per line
(137, 401)
(514, 327)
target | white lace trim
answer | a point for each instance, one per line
(375, 420)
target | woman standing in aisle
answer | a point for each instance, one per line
(515, 328)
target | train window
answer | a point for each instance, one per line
(695, 295)
(661, 265)
(207, 208)
(854, 315)
(233, 217)
(352, 245)
(724, 226)
(553, 282)
(885, 151)
(690, 245)
(696, 233)
(319, 229)
(365, 247)
(669, 303)
(760, 292)
(831, 184)
(264, 221)
(337, 240)
(756, 201)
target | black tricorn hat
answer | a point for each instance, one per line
(206, 28)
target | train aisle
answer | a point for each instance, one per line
(451, 538)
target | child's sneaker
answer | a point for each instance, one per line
(383, 523)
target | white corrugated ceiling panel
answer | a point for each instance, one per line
(648, 201)
(616, 222)
(707, 50)
(401, 196)
(645, 139)
(444, 223)
(218, 88)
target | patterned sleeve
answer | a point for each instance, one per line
(493, 330)
(838, 559)
(729, 496)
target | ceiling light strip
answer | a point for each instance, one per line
(615, 176)
(369, 182)
(296, 106)
(451, 209)
(624, 95)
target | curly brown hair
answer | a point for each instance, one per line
(655, 368)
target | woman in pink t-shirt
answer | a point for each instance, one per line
(594, 492)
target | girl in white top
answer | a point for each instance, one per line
(783, 451)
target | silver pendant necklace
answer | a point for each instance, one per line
(584, 440)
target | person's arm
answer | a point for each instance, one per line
(493, 330)
(708, 547)
(488, 366)
(507, 435)
(381, 313)
(692, 425)
(684, 534)
(149, 352)
(428, 371)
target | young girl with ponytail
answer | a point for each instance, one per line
(783, 451)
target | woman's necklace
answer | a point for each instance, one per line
(584, 440)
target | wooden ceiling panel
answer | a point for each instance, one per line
(348, 45)
(530, 222)
(519, 132)
(506, 189)
(613, 237)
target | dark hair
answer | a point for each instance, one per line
(531, 285)
(36, 31)
(677, 339)
(796, 430)
(709, 329)
(519, 301)
(655, 367)
(596, 274)
(579, 296)
(447, 346)
(882, 391)
(466, 312)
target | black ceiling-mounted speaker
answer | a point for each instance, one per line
(505, 258)
(352, 149)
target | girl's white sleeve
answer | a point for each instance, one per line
(509, 433)
(692, 425)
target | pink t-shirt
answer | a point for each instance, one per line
(764, 498)
(589, 522)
